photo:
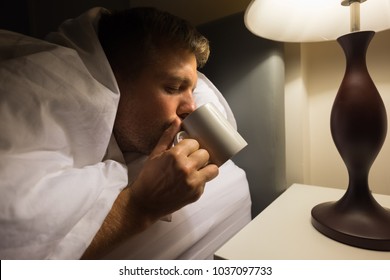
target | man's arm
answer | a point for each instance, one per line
(123, 221)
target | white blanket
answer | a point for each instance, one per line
(57, 114)
(57, 107)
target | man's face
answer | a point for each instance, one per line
(148, 104)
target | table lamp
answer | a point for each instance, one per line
(358, 117)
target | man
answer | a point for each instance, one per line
(154, 57)
(58, 112)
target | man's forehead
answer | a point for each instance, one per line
(177, 76)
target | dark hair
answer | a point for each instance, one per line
(139, 33)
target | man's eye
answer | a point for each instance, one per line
(172, 90)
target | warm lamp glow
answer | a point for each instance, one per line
(358, 118)
(312, 20)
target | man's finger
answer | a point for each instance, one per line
(209, 172)
(166, 138)
(186, 146)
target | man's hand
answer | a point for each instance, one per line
(170, 179)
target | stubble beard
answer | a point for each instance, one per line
(144, 142)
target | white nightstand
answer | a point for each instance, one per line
(284, 231)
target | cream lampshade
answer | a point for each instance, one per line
(313, 20)
(358, 118)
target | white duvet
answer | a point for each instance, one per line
(57, 179)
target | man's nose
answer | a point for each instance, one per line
(187, 105)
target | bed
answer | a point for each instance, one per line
(57, 184)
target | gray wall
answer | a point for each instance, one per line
(39, 17)
(249, 71)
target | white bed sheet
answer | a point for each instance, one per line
(199, 229)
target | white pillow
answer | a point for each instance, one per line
(206, 92)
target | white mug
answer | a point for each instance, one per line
(213, 132)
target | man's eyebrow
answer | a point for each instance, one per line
(176, 79)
